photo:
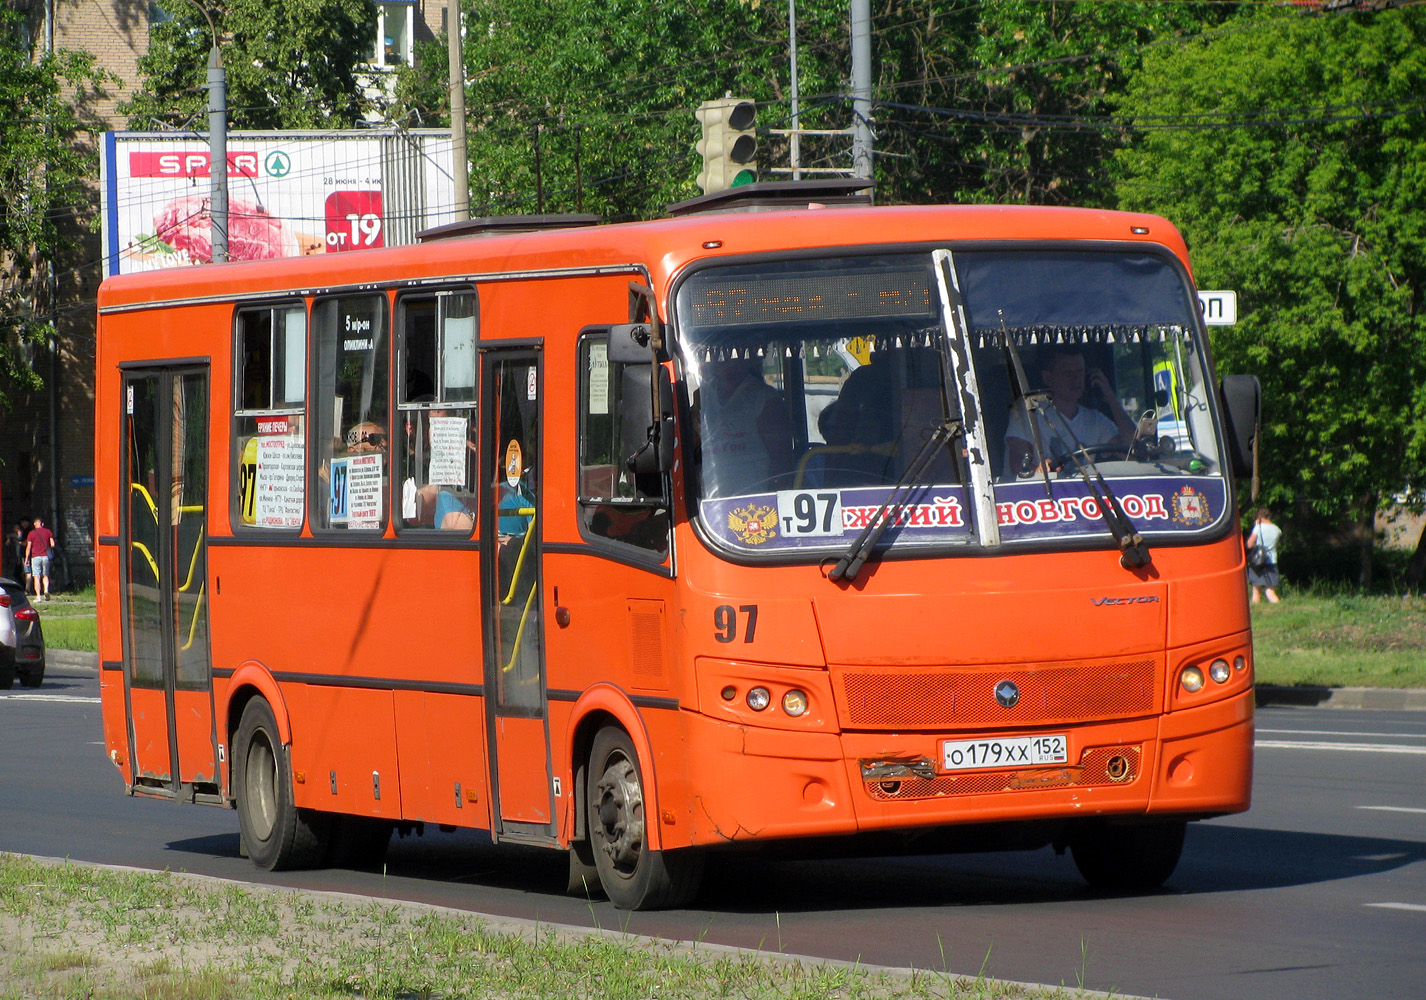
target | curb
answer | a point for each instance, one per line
(1381, 699)
(72, 659)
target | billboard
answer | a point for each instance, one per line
(289, 194)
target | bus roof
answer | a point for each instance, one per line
(661, 247)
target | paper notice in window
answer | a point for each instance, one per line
(598, 379)
(279, 480)
(448, 465)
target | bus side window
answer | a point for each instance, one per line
(614, 504)
(352, 440)
(268, 415)
(435, 447)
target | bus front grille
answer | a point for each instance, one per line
(956, 697)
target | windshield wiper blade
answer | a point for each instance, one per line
(1133, 550)
(850, 563)
(1031, 402)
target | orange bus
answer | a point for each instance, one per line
(853, 529)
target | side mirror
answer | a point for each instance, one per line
(1241, 396)
(651, 440)
(629, 344)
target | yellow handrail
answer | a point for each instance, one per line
(524, 546)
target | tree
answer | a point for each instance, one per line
(43, 188)
(1291, 154)
(989, 102)
(289, 65)
(1010, 102)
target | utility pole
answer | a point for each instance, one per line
(217, 143)
(796, 136)
(218, 150)
(457, 85)
(861, 89)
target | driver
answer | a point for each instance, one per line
(1066, 421)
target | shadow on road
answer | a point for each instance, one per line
(1216, 859)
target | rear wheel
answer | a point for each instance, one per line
(7, 668)
(33, 678)
(275, 832)
(633, 876)
(1130, 855)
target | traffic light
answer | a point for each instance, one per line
(728, 146)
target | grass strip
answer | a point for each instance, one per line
(78, 931)
(1318, 637)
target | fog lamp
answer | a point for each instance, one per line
(1239, 663)
(794, 703)
(759, 699)
(1218, 670)
(1191, 679)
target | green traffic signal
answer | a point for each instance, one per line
(729, 144)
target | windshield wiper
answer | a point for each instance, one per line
(1133, 551)
(850, 563)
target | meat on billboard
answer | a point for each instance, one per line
(289, 194)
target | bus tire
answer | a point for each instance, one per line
(276, 833)
(1128, 856)
(583, 881)
(633, 877)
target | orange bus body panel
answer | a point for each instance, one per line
(374, 657)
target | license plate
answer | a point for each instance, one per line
(964, 755)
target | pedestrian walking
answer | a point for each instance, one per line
(1262, 557)
(15, 552)
(38, 547)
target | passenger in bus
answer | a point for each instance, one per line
(746, 437)
(1069, 421)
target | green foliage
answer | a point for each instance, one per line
(1007, 102)
(42, 187)
(988, 102)
(1301, 187)
(297, 64)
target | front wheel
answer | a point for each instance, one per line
(633, 876)
(1128, 855)
(275, 832)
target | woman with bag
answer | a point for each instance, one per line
(1262, 557)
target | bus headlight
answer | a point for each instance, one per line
(794, 703)
(759, 698)
(1191, 679)
(1239, 663)
(1219, 671)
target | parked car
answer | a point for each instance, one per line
(9, 641)
(28, 645)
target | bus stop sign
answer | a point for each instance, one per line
(1218, 308)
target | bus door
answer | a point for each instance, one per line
(168, 680)
(511, 504)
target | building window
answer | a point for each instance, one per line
(395, 23)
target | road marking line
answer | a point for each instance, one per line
(1393, 809)
(1335, 732)
(73, 699)
(1356, 747)
(1413, 907)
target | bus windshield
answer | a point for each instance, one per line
(813, 383)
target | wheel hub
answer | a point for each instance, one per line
(621, 813)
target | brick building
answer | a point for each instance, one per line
(47, 439)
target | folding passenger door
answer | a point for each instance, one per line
(512, 500)
(163, 590)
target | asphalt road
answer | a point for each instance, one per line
(1318, 892)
